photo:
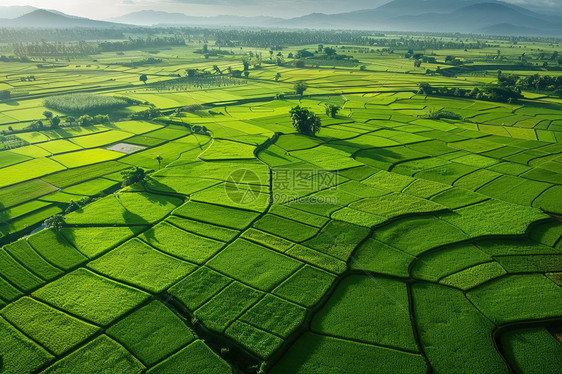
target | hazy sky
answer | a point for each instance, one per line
(103, 9)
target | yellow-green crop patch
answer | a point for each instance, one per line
(28, 170)
(86, 157)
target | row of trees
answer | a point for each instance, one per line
(531, 82)
(488, 93)
(81, 48)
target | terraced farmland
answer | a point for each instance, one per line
(387, 243)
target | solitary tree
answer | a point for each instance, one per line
(246, 63)
(133, 176)
(332, 110)
(55, 222)
(305, 121)
(48, 114)
(159, 158)
(143, 78)
(277, 77)
(300, 87)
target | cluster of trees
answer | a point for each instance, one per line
(75, 205)
(489, 93)
(5, 58)
(133, 176)
(207, 52)
(425, 44)
(82, 48)
(327, 56)
(84, 103)
(29, 78)
(276, 40)
(55, 222)
(148, 114)
(201, 81)
(44, 48)
(55, 122)
(441, 114)
(531, 82)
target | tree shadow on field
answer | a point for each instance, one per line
(62, 133)
(4, 216)
(10, 103)
(384, 154)
(153, 184)
(68, 234)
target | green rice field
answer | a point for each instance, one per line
(390, 242)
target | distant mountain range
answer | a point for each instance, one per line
(41, 18)
(153, 17)
(467, 16)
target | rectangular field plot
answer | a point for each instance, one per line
(199, 287)
(19, 353)
(463, 336)
(8, 158)
(101, 354)
(225, 307)
(53, 329)
(52, 246)
(91, 296)
(27, 170)
(59, 146)
(195, 358)
(20, 193)
(93, 241)
(86, 157)
(356, 302)
(514, 298)
(143, 266)
(182, 244)
(152, 333)
(101, 139)
(137, 127)
(254, 265)
(74, 176)
(312, 351)
(26, 255)
(217, 215)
